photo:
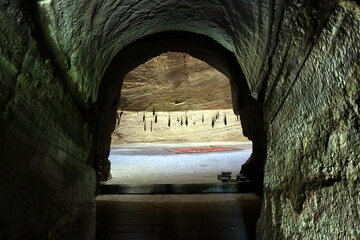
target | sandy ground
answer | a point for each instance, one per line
(153, 164)
(176, 216)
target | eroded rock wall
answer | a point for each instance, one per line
(176, 98)
(311, 113)
(175, 82)
(47, 187)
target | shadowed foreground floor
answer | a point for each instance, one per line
(177, 217)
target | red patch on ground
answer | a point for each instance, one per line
(201, 149)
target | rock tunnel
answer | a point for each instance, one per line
(294, 71)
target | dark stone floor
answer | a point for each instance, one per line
(177, 217)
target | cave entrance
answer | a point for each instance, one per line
(175, 125)
(200, 47)
(176, 216)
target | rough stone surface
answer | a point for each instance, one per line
(312, 121)
(47, 187)
(175, 82)
(98, 30)
(300, 60)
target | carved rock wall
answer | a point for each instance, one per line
(47, 186)
(312, 117)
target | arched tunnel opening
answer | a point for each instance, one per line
(175, 124)
(198, 46)
(235, 189)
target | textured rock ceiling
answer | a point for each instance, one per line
(98, 30)
(175, 82)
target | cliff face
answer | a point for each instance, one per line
(175, 82)
(176, 98)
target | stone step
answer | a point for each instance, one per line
(196, 188)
